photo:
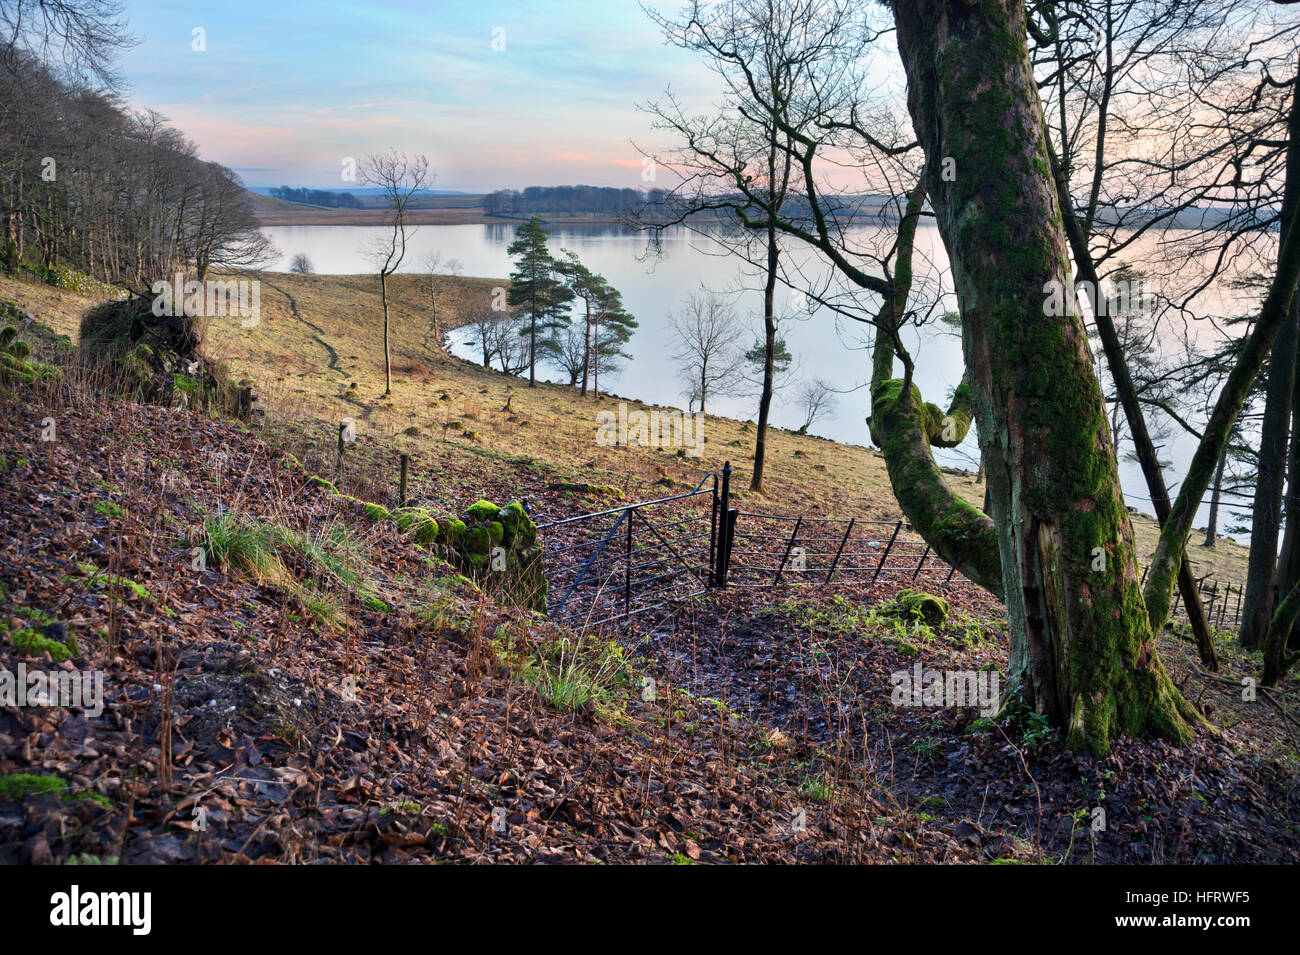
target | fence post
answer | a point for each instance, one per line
(627, 575)
(343, 427)
(893, 537)
(830, 573)
(789, 546)
(401, 481)
(921, 563)
(720, 507)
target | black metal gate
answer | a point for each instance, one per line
(615, 564)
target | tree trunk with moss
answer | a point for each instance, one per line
(905, 427)
(1082, 649)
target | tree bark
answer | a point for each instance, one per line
(769, 360)
(905, 427)
(1288, 562)
(1082, 651)
(388, 365)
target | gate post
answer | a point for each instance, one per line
(720, 549)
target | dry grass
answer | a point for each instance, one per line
(321, 334)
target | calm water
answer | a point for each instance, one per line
(824, 345)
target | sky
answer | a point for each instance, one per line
(496, 94)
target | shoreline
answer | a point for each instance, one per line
(416, 217)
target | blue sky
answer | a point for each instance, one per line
(285, 91)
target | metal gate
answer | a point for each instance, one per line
(615, 564)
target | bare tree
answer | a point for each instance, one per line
(705, 334)
(80, 38)
(816, 400)
(224, 233)
(401, 179)
(301, 265)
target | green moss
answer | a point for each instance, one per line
(88, 796)
(476, 541)
(419, 525)
(918, 605)
(904, 648)
(482, 511)
(450, 532)
(18, 786)
(108, 509)
(37, 643)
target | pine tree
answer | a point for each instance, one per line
(536, 288)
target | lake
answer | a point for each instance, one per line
(823, 344)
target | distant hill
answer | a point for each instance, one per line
(369, 198)
(263, 203)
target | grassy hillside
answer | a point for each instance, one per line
(317, 357)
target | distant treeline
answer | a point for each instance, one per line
(317, 197)
(567, 199)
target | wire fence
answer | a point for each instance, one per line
(613, 565)
(766, 549)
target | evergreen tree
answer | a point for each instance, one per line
(606, 328)
(536, 288)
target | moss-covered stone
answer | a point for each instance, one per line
(918, 605)
(450, 532)
(417, 524)
(475, 541)
(498, 546)
(481, 511)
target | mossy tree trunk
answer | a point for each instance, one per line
(905, 427)
(1082, 649)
